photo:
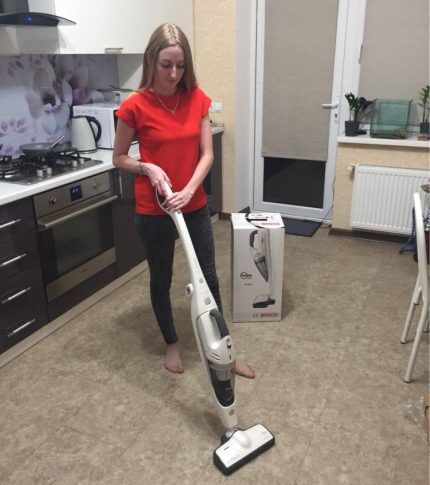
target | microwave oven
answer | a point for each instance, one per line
(105, 114)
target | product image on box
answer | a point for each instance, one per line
(257, 264)
(259, 240)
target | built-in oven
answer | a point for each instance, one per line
(76, 240)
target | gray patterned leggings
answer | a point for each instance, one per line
(158, 234)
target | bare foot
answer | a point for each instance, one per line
(172, 361)
(243, 369)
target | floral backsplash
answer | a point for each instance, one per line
(37, 92)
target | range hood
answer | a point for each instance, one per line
(38, 13)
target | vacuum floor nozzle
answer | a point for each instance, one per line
(242, 447)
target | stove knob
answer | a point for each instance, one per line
(52, 201)
(95, 185)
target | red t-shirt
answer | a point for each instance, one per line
(171, 141)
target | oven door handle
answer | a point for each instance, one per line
(48, 224)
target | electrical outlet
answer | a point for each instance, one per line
(215, 107)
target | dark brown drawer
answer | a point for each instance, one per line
(25, 323)
(16, 219)
(20, 291)
(17, 255)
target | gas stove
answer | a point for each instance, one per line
(27, 170)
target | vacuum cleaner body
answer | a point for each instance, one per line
(218, 357)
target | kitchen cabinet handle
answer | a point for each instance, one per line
(121, 193)
(16, 295)
(329, 105)
(19, 329)
(12, 260)
(48, 224)
(114, 50)
(8, 224)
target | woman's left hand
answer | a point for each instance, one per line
(178, 200)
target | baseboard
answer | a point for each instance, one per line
(372, 236)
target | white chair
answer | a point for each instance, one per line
(421, 290)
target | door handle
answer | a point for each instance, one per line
(329, 105)
(48, 224)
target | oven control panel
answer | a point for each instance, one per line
(73, 193)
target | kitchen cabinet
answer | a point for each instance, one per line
(213, 180)
(118, 27)
(101, 27)
(22, 297)
(129, 248)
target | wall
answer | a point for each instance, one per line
(386, 156)
(214, 44)
(38, 90)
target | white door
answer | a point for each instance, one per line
(301, 186)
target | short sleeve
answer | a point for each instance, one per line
(206, 102)
(127, 111)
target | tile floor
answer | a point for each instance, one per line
(92, 403)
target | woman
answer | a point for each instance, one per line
(168, 115)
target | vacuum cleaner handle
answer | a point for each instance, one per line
(161, 198)
(219, 319)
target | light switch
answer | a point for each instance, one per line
(216, 107)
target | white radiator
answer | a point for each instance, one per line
(382, 197)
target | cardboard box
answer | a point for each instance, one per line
(257, 266)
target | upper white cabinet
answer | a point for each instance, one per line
(102, 26)
(112, 26)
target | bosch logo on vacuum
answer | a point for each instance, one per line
(245, 276)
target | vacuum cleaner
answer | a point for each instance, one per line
(217, 353)
(261, 250)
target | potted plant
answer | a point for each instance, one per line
(424, 98)
(356, 105)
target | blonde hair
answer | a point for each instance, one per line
(167, 35)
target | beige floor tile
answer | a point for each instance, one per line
(92, 403)
(118, 410)
(175, 448)
(338, 456)
(30, 414)
(295, 385)
(66, 457)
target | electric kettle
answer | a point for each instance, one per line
(83, 136)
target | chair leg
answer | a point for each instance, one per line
(414, 302)
(417, 341)
(426, 326)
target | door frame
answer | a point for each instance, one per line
(346, 73)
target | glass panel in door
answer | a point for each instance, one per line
(297, 106)
(72, 243)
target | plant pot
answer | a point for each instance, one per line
(351, 128)
(424, 128)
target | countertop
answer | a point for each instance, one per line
(367, 140)
(11, 192)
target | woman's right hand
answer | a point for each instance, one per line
(157, 176)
